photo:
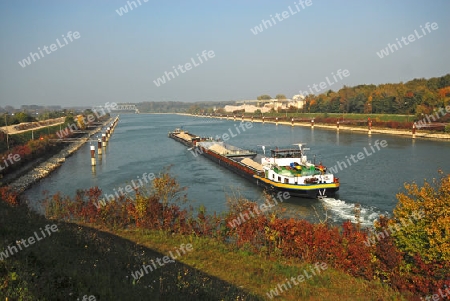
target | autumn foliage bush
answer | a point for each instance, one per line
(28, 151)
(421, 270)
(9, 196)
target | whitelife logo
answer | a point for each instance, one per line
(326, 85)
(393, 228)
(265, 24)
(281, 287)
(341, 165)
(90, 118)
(188, 66)
(124, 9)
(423, 123)
(162, 261)
(391, 48)
(11, 158)
(245, 216)
(148, 178)
(437, 297)
(11, 250)
(71, 36)
(225, 137)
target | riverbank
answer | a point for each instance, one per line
(419, 133)
(42, 170)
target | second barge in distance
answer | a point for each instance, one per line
(286, 169)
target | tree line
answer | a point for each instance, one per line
(413, 97)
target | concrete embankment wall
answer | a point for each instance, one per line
(419, 133)
(44, 169)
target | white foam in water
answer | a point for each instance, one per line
(342, 211)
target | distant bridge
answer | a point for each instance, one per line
(121, 107)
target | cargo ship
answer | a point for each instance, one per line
(285, 170)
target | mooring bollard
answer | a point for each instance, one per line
(263, 119)
(292, 121)
(414, 131)
(234, 118)
(337, 125)
(276, 121)
(370, 127)
(93, 155)
(312, 123)
(99, 147)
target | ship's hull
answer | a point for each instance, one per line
(309, 191)
(229, 164)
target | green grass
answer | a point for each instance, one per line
(78, 260)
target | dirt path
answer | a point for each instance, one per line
(28, 126)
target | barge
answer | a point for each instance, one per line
(285, 170)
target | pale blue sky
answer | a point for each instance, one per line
(117, 58)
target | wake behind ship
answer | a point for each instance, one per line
(285, 170)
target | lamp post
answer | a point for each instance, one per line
(6, 129)
(407, 112)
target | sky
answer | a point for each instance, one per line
(118, 57)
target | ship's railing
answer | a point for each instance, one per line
(286, 153)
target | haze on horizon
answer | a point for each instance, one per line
(118, 58)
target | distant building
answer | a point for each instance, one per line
(266, 105)
(298, 101)
(246, 108)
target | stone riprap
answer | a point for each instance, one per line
(44, 169)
